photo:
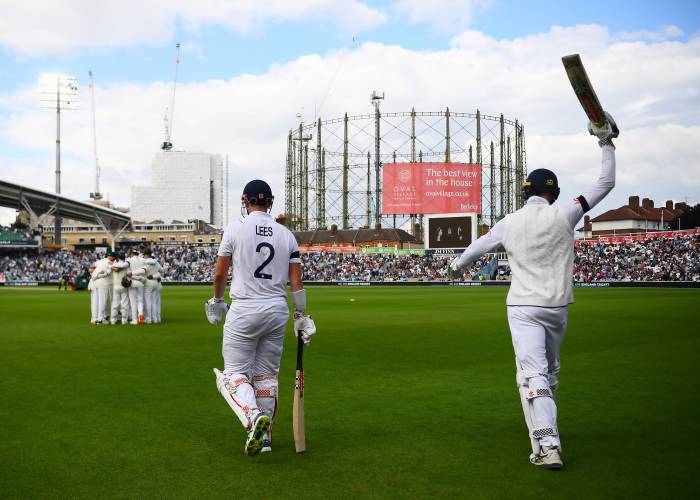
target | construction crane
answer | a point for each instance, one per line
(169, 111)
(96, 195)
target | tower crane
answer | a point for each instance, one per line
(96, 195)
(169, 111)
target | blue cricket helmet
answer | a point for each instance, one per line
(541, 181)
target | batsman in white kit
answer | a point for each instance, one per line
(265, 255)
(539, 241)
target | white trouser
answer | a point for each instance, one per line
(93, 305)
(537, 334)
(102, 303)
(252, 348)
(136, 302)
(149, 303)
(120, 297)
(156, 304)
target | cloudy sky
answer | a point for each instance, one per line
(249, 67)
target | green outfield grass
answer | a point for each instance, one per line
(410, 393)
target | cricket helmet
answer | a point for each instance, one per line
(541, 181)
(258, 193)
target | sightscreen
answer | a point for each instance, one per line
(431, 188)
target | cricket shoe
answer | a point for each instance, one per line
(549, 459)
(254, 443)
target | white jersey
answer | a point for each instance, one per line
(138, 271)
(539, 241)
(261, 251)
(103, 268)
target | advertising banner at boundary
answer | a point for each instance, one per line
(431, 188)
(637, 237)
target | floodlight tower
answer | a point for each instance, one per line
(58, 92)
(96, 195)
(376, 100)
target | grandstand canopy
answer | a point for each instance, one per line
(39, 203)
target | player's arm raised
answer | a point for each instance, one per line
(302, 323)
(606, 180)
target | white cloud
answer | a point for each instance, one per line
(664, 33)
(652, 89)
(51, 27)
(449, 16)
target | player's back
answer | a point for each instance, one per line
(261, 250)
(539, 243)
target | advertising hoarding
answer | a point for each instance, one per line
(431, 188)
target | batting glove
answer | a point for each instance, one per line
(455, 270)
(606, 133)
(214, 309)
(305, 326)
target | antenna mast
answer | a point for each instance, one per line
(96, 195)
(170, 111)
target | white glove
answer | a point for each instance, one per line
(455, 270)
(305, 325)
(214, 308)
(606, 133)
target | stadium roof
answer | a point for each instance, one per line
(42, 203)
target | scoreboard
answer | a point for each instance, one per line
(450, 231)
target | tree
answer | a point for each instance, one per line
(690, 218)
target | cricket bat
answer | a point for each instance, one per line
(583, 89)
(298, 410)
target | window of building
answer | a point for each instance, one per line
(104, 240)
(92, 240)
(160, 238)
(81, 240)
(143, 238)
(199, 240)
(172, 238)
(212, 240)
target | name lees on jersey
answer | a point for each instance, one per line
(263, 231)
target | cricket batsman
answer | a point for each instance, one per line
(265, 255)
(539, 241)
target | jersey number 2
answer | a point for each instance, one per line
(258, 272)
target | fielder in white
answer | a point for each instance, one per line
(152, 288)
(102, 286)
(93, 295)
(120, 294)
(539, 241)
(265, 255)
(137, 273)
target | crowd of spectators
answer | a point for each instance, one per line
(675, 258)
(328, 266)
(30, 266)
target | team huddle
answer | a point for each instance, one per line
(125, 289)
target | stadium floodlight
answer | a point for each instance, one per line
(58, 92)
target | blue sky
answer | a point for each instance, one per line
(129, 46)
(222, 53)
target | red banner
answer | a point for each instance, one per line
(431, 188)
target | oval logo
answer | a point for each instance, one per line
(404, 175)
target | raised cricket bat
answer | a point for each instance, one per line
(583, 89)
(298, 410)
